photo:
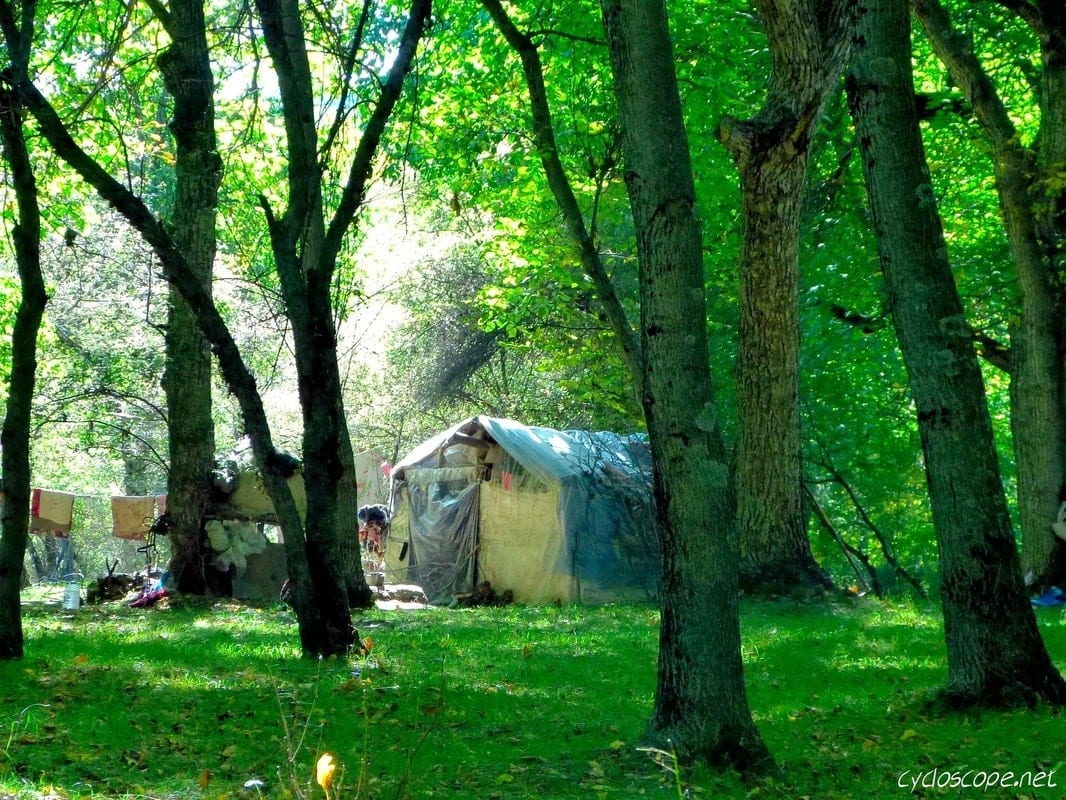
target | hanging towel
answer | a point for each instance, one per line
(131, 517)
(370, 484)
(51, 512)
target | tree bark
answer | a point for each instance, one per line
(701, 708)
(305, 251)
(809, 45)
(15, 435)
(1033, 215)
(186, 69)
(995, 653)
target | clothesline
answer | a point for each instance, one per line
(52, 512)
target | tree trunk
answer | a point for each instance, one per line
(701, 707)
(562, 191)
(306, 252)
(775, 552)
(186, 69)
(317, 638)
(809, 45)
(995, 653)
(15, 435)
(1033, 203)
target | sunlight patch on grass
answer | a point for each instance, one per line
(495, 703)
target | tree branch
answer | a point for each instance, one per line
(864, 516)
(238, 378)
(418, 20)
(346, 80)
(994, 352)
(544, 33)
(851, 553)
(559, 183)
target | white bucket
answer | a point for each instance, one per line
(72, 597)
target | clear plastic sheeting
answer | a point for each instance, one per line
(443, 531)
(549, 515)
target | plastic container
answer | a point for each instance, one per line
(72, 597)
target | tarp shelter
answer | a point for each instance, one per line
(242, 506)
(242, 494)
(549, 515)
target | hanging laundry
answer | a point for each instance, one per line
(51, 512)
(131, 517)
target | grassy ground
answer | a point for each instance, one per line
(210, 700)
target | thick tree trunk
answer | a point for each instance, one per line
(995, 653)
(15, 435)
(775, 552)
(701, 708)
(1043, 317)
(186, 69)
(809, 44)
(1035, 225)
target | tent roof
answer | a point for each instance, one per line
(552, 455)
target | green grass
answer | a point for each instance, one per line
(484, 703)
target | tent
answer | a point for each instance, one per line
(548, 515)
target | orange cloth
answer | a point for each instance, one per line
(131, 517)
(51, 512)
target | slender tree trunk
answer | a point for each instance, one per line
(809, 45)
(15, 435)
(995, 653)
(1032, 203)
(562, 191)
(186, 69)
(701, 707)
(306, 249)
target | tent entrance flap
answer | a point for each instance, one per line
(443, 532)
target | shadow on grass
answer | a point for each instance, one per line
(125, 701)
(505, 702)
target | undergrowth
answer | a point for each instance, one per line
(211, 700)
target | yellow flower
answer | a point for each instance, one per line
(324, 771)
